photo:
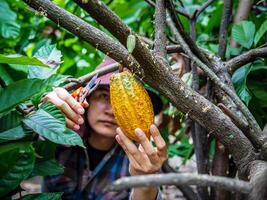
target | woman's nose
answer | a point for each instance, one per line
(108, 109)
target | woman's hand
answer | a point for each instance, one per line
(145, 159)
(72, 110)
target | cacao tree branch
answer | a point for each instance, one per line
(85, 31)
(258, 180)
(180, 179)
(220, 166)
(187, 191)
(245, 58)
(170, 85)
(199, 134)
(252, 122)
(85, 78)
(160, 35)
(227, 12)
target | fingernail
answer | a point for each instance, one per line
(118, 138)
(153, 128)
(80, 111)
(80, 121)
(76, 127)
(138, 132)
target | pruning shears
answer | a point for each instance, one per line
(82, 92)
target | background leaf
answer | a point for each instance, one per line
(243, 33)
(9, 28)
(47, 124)
(260, 33)
(17, 161)
(20, 59)
(43, 196)
(239, 79)
(19, 92)
(47, 168)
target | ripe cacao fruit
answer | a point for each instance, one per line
(131, 104)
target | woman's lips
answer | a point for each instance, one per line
(108, 123)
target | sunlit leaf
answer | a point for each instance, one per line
(19, 59)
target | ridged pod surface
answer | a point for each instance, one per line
(131, 104)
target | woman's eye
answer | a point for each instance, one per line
(103, 96)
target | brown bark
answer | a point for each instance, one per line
(219, 168)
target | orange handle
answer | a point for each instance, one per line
(76, 93)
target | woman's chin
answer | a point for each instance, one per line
(107, 131)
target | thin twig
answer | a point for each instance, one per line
(245, 58)
(203, 7)
(180, 179)
(84, 79)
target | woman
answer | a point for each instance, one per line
(88, 172)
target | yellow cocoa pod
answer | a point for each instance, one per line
(131, 104)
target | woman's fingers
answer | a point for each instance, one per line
(64, 107)
(70, 124)
(159, 141)
(65, 96)
(149, 150)
(132, 160)
(132, 149)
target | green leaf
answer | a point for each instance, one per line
(243, 33)
(12, 134)
(4, 75)
(17, 161)
(11, 120)
(240, 83)
(19, 92)
(56, 79)
(260, 33)
(9, 28)
(43, 196)
(45, 150)
(49, 126)
(20, 59)
(53, 111)
(47, 168)
(50, 55)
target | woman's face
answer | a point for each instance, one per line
(99, 114)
